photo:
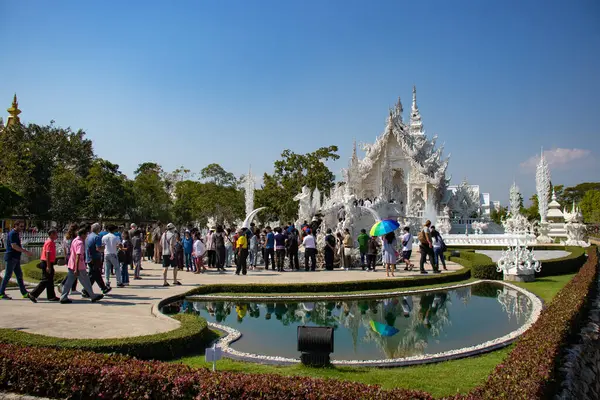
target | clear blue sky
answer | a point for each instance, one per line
(237, 82)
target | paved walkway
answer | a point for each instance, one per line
(127, 311)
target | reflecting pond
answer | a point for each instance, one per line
(414, 324)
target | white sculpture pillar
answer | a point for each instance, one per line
(542, 184)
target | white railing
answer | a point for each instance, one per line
(489, 240)
(30, 237)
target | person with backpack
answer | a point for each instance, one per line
(407, 240)
(156, 237)
(438, 249)
(426, 248)
(292, 244)
(220, 238)
(372, 247)
(329, 250)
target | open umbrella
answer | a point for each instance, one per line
(383, 329)
(384, 227)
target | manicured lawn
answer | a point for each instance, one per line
(439, 379)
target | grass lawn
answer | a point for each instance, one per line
(440, 379)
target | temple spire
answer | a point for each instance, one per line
(416, 126)
(13, 113)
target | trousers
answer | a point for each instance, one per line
(269, 253)
(111, 260)
(294, 262)
(13, 265)
(310, 255)
(95, 273)
(241, 262)
(46, 283)
(83, 278)
(426, 251)
(280, 259)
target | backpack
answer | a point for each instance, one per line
(156, 235)
(444, 247)
(422, 238)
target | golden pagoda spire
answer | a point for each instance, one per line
(13, 113)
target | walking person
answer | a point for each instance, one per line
(12, 258)
(188, 248)
(76, 269)
(136, 255)
(438, 249)
(242, 252)
(363, 242)
(93, 258)
(269, 248)
(426, 248)
(329, 250)
(125, 258)
(340, 249)
(348, 246)
(389, 253)
(407, 240)
(253, 249)
(156, 236)
(199, 251)
(149, 245)
(230, 239)
(112, 244)
(47, 262)
(167, 244)
(292, 244)
(310, 251)
(279, 249)
(179, 252)
(211, 253)
(372, 248)
(219, 238)
(68, 239)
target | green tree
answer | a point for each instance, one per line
(291, 173)
(577, 192)
(9, 199)
(498, 215)
(152, 199)
(533, 211)
(590, 207)
(68, 193)
(216, 174)
(108, 192)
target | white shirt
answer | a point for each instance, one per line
(436, 242)
(199, 248)
(110, 242)
(309, 242)
(407, 237)
(165, 242)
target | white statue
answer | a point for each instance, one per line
(542, 184)
(304, 205)
(575, 227)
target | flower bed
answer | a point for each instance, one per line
(87, 375)
(191, 337)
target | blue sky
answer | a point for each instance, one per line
(237, 82)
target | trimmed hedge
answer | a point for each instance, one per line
(31, 272)
(530, 371)
(86, 375)
(482, 267)
(191, 337)
(564, 265)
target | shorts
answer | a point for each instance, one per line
(406, 254)
(167, 262)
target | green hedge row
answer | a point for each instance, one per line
(564, 265)
(192, 336)
(482, 267)
(32, 273)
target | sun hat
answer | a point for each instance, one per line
(170, 226)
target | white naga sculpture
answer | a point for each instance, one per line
(575, 227)
(516, 222)
(542, 184)
(308, 204)
(518, 263)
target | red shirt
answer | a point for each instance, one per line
(49, 247)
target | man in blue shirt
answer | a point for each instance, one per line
(188, 243)
(12, 257)
(93, 258)
(270, 248)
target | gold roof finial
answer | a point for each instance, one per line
(13, 111)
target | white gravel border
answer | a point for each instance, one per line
(232, 335)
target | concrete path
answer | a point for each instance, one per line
(127, 311)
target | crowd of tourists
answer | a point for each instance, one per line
(94, 253)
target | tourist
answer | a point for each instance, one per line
(220, 238)
(253, 248)
(167, 245)
(94, 249)
(348, 246)
(132, 229)
(340, 248)
(279, 249)
(230, 240)
(292, 243)
(188, 247)
(262, 242)
(12, 258)
(199, 251)
(310, 251)
(68, 239)
(242, 252)
(389, 253)
(438, 249)
(329, 250)
(76, 269)
(136, 255)
(156, 236)
(112, 244)
(179, 256)
(426, 248)
(407, 240)
(47, 262)
(211, 253)
(372, 248)
(149, 245)
(125, 255)
(363, 242)
(269, 248)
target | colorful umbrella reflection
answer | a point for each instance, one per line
(383, 329)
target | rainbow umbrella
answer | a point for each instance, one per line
(384, 227)
(383, 329)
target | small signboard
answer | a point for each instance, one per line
(213, 354)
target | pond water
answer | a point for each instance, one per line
(380, 329)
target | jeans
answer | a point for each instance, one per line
(310, 255)
(371, 260)
(280, 259)
(221, 257)
(47, 282)
(438, 255)
(137, 263)
(212, 258)
(85, 282)
(124, 273)
(269, 253)
(111, 260)
(363, 255)
(95, 273)
(241, 262)
(228, 255)
(253, 257)
(189, 265)
(294, 262)
(13, 265)
(426, 251)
